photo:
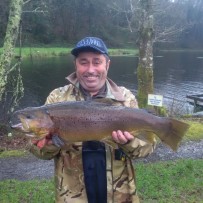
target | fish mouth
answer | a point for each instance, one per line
(30, 134)
(20, 127)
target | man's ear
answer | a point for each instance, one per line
(107, 65)
(74, 62)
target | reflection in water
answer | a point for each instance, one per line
(178, 75)
(175, 76)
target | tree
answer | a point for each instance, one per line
(3, 18)
(142, 12)
(6, 70)
(145, 66)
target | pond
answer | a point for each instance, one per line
(175, 76)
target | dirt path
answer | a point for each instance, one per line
(30, 167)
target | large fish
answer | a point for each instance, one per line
(85, 121)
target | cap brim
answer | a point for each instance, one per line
(78, 50)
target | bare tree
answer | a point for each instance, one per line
(170, 20)
(145, 65)
(11, 86)
(7, 56)
(167, 26)
(139, 20)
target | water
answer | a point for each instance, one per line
(175, 76)
(178, 75)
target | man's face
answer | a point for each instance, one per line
(91, 70)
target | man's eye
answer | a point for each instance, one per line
(83, 62)
(97, 62)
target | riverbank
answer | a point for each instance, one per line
(26, 52)
(31, 52)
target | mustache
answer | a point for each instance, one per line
(90, 75)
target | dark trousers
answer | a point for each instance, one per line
(94, 166)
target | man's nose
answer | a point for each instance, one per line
(91, 67)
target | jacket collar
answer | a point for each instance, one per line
(113, 91)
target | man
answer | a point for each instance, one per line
(92, 171)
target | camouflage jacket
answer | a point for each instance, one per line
(69, 177)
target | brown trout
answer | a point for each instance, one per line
(90, 120)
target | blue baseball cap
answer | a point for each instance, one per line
(90, 44)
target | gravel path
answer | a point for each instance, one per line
(30, 167)
(25, 168)
(189, 150)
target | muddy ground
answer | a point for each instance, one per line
(30, 167)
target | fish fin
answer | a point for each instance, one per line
(57, 141)
(109, 141)
(146, 136)
(175, 134)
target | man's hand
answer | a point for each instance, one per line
(45, 141)
(49, 140)
(122, 137)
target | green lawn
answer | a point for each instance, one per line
(195, 131)
(178, 181)
(62, 51)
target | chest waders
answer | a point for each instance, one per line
(94, 166)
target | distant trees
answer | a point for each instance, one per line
(116, 21)
(68, 21)
(193, 36)
(177, 23)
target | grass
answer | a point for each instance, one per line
(63, 51)
(12, 153)
(195, 132)
(123, 52)
(178, 181)
(182, 50)
(171, 182)
(43, 52)
(33, 191)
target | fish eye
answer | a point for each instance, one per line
(28, 116)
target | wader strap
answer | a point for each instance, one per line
(94, 166)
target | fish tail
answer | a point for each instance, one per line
(177, 129)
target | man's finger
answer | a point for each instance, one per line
(115, 137)
(41, 143)
(128, 135)
(122, 139)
